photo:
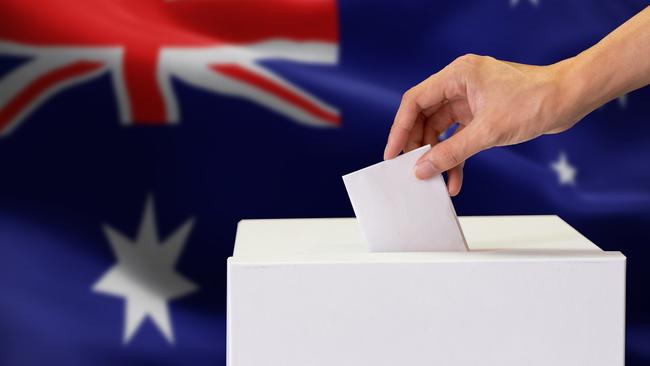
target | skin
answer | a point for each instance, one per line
(498, 103)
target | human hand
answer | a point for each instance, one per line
(494, 102)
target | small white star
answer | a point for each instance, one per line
(622, 101)
(514, 3)
(144, 274)
(566, 173)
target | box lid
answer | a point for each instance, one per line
(339, 239)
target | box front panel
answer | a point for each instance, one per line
(446, 313)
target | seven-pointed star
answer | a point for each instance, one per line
(566, 173)
(144, 275)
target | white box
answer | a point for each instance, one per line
(531, 291)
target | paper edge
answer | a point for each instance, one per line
(425, 148)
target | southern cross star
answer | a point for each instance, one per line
(566, 173)
(144, 275)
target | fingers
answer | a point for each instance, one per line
(415, 137)
(455, 174)
(455, 179)
(426, 95)
(405, 121)
(437, 123)
(450, 153)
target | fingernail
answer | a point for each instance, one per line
(425, 170)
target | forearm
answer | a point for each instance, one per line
(618, 64)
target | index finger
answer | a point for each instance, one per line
(427, 94)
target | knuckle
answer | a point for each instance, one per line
(468, 59)
(466, 65)
(407, 95)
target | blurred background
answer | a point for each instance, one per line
(131, 126)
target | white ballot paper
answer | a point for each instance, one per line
(398, 212)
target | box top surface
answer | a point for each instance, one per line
(494, 237)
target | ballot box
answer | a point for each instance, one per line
(530, 291)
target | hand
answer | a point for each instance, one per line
(494, 102)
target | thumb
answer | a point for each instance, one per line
(449, 153)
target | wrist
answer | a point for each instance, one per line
(574, 92)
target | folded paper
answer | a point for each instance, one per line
(398, 212)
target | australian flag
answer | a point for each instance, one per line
(134, 135)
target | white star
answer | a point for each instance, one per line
(566, 173)
(514, 3)
(144, 274)
(622, 101)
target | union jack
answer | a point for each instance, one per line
(210, 44)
